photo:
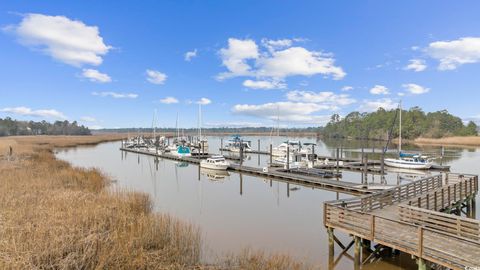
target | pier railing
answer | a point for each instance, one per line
(456, 225)
(447, 240)
(459, 186)
(388, 197)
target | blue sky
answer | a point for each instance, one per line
(112, 63)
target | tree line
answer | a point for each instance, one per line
(217, 130)
(415, 123)
(10, 127)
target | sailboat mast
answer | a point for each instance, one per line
(176, 126)
(154, 123)
(400, 129)
(199, 121)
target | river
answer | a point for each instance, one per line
(237, 211)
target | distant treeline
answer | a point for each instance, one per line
(10, 127)
(217, 130)
(415, 123)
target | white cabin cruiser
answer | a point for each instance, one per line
(281, 149)
(215, 163)
(236, 143)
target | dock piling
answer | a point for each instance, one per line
(288, 157)
(270, 154)
(338, 160)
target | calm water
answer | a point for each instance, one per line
(239, 211)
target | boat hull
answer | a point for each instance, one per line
(211, 166)
(396, 163)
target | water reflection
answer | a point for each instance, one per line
(236, 211)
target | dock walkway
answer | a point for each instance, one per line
(414, 218)
(276, 173)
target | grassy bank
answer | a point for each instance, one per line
(459, 141)
(54, 216)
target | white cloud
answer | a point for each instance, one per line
(373, 105)
(204, 101)
(115, 94)
(156, 77)
(416, 65)
(347, 88)
(69, 41)
(264, 84)
(273, 45)
(95, 75)
(455, 53)
(191, 54)
(235, 57)
(379, 90)
(88, 119)
(169, 100)
(295, 61)
(415, 88)
(36, 113)
(279, 61)
(327, 98)
(299, 112)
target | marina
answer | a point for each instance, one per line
(363, 181)
(378, 207)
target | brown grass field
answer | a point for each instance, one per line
(54, 216)
(459, 141)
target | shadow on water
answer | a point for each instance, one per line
(237, 211)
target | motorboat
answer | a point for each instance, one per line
(236, 143)
(281, 149)
(215, 163)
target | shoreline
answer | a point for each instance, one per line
(468, 141)
(60, 216)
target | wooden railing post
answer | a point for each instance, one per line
(454, 193)
(428, 201)
(419, 202)
(435, 200)
(420, 242)
(443, 199)
(449, 196)
(372, 227)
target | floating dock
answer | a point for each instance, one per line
(275, 173)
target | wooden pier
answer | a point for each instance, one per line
(414, 218)
(275, 173)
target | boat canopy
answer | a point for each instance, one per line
(183, 150)
(403, 155)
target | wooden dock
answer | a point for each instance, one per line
(414, 218)
(274, 173)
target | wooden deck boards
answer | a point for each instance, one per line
(406, 219)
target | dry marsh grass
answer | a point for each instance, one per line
(54, 216)
(461, 141)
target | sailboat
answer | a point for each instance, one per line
(407, 160)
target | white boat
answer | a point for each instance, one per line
(281, 149)
(236, 143)
(405, 160)
(215, 163)
(416, 162)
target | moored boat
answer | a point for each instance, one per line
(215, 163)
